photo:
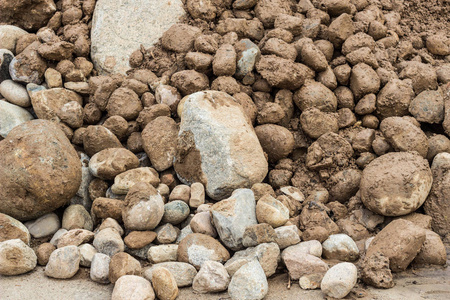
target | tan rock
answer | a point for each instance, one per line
(123, 264)
(164, 284)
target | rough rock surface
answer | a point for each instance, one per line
(42, 145)
(217, 146)
(16, 257)
(116, 23)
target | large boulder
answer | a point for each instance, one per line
(217, 145)
(117, 29)
(40, 170)
(396, 183)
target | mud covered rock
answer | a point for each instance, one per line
(44, 146)
(210, 121)
(27, 14)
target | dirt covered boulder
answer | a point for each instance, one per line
(396, 183)
(217, 145)
(40, 170)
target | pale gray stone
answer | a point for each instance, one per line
(109, 242)
(15, 93)
(339, 280)
(340, 246)
(63, 262)
(132, 287)
(183, 273)
(11, 116)
(120, 27)
(87, 252)
(249, 282)
(287, 236)
(100, 268)
(57, 236)
(211, 278)
(44, 226)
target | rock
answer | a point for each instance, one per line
(249, 282)
(159, 139)
(196, 248)
(224, 63)
(276, 69)
(301, 259)
(247, 54)
(111, 223)
(44, 226)
(212, 278)
(87, 252)
(103, 208)
(132, 287)
(180, 37)
(15, 93)
(75, 237)
(100, 268)
(394, 99)
(144, 207)
(76, 216)
(166, 234)
(30, 16)
(16, 257)
(395, 184)
(201, 223)
(83, 196)
(341, 247)
(231, 216)
(438, 44)
(175, 212)
(6, 57)
(43, 253)
(164, 284)
(375, 271)
(268, 255)
(310, 281)
(48, 103)
(189, 82)
(108, 28)
(11, 116)
(257, 234)
(437, 205)
(364, 80)
(28, 66)
(12, 229)
(316, 123)
(109, 163)
(271, 211)
(123, 264)
(399, 241)
(97, 138)
(214, 131)
(287, 236)
(428, 107)
(124, 102)
(124, 181)
(139, 239)
(197, 195)
(252, 29)
(54, 161)
(108, 241)
(183, 273)
(423, 76)
(63, 263)
(9, 35)
(58, 234)
(433, 250)
(162, 253)
(339, 280)
(277, 141)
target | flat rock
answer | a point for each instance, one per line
(117, 30)
(183, 273)
(233, 215)
(75, 237)
(249, 282)
(41, 144)
(11, 116)
(13, 229)
(16, 257)
(217, 141)
(46, 225)
(63, 263)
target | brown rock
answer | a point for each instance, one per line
(43, 253)
(97, 138)
(139, 239)
(257, 234)
(110, 162)
(375, 271)
(164, 284)
(400, 242)
(433, 251)
(28, 66)
(54, 161)
(190, 81)
(103, 208)
(75, 237)
(196, 248)
(180, 37)
(123, 264)
(124, 102)
(276, 141)
(12, 229)
(30, 15)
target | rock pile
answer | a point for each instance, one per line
(254, 137)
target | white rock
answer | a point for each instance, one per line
(44, 226)
(339, 280)
(341, 247)
(287, 236)
(16, 257)
(63, 263)
(212, 277)
(9, 35)
(215, 128)
(132, 287)
(100, 268)
(183, 273)
(87, 252)
(312, 247)
(58, 234)
(162, 253)
(15, 93)
(118, 29)
(249, 282)
(11, 116)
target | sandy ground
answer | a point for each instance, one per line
(414, 284)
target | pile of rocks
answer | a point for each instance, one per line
(257, 137)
